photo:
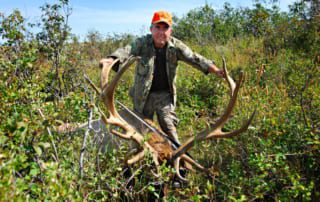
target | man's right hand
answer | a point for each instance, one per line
(105, 62)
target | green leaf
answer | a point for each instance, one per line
(151, 188)
(34, 171)
(45, 145)
(37, 149)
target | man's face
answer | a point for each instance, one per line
(161, 33)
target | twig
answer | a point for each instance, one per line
(51, 138)
(98, 91)
(83, 148)
(84, 143)
(98, 163)
(134, 174)
(145, 187)
(294, 154)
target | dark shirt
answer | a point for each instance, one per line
(160, 77)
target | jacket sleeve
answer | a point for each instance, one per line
(196, 60)
(125, 52)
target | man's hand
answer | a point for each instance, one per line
(105, 62)
(214, 69)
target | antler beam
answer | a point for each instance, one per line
(161, 148)
(214, 131)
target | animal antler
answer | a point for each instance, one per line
(214, 131)
(161, 148)
(114, 117)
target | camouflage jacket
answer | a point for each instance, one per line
(143, 47)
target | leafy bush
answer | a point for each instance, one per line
(276, 159)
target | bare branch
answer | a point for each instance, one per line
(51, 138)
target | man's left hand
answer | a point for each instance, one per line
(214, 69)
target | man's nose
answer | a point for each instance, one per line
(162, 31)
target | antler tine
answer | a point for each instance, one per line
(104, 79)
(177, 168)
(137, 157)
(220, 122)
(194, 163)
(244, 127)
(230, 81)
(109, 89)
(189, 160)
(105, 73)
(108, 98)
(214, 130)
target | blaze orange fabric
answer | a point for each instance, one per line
(162, 16)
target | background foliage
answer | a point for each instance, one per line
(277, 159)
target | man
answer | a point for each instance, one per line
(154, 89)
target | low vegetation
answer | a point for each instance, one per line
(277, 159)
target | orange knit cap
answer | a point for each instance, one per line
(162, 16)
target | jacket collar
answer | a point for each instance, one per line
(170, 43)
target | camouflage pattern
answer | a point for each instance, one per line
(161, 104)
(144, 48)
